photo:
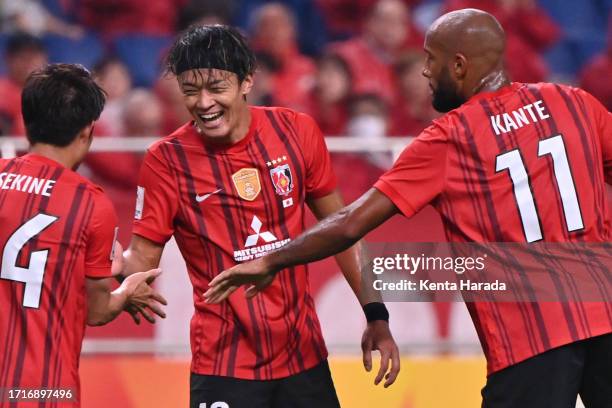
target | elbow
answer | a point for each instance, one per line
(97, 319)
(350, 229)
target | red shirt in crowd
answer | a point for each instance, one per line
(293, 81)
(465, 165)
(595, 78)
(11, 123)
(371, 69)
(226, 205)
(113, 17)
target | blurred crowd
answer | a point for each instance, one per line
(354, 65)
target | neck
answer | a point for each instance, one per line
(55, 153)
(492, 82)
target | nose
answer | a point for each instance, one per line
(426, 73)
(205, 100)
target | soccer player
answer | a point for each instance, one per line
(231, 185)
(509, 162)
(57, 236)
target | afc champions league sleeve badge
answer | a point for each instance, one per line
(282, 179)
(247, 184)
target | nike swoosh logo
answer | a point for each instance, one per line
(200, 198)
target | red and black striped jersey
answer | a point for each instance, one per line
(226, 205)
(57, 229)
(526, 163)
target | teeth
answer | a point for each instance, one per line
(211, 116)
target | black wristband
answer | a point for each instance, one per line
(376, 311)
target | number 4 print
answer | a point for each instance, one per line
(513, 162)
(218, 404)
(32, 276)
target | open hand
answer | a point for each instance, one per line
(377, 336)
(142, 299)
(255, 272)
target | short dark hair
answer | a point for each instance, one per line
(20, 41)
(58, 101)
(211, 47)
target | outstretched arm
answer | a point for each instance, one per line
(332, 235)
(141, 255)
(104, 305)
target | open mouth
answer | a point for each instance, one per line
(210, 117)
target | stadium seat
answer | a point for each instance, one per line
(86, 50)
(142, 54)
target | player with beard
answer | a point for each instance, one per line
(230, 185)
(485, 166)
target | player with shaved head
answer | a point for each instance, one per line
(509, 162)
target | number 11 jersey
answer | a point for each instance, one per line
(524, 164)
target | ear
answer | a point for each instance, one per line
(246, 85)
(86, 134)
(460, 66)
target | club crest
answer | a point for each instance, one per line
(282, 179)
(247, 183)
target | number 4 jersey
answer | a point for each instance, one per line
(527, 163)
(56, 229)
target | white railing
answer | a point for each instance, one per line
(9, 146)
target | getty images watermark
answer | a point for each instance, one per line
(497, 272)
(411, 264)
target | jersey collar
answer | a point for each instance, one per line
(512, 87)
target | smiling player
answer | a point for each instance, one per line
(230, 186)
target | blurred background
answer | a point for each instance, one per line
(355, 66)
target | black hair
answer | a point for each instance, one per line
(267, 61)
(21, 41)
(211, 47)
(58, 101)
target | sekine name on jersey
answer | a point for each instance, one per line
(428, 285)
(26, 184)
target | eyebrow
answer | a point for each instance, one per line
(208, 83)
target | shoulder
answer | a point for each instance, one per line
(439, 128)
(180, 135)
(102, 203)
(569, 94)
(289, 117)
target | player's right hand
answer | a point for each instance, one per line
(377, 336)
(255, 272)
(142, 298)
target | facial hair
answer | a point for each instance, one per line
(446, 96)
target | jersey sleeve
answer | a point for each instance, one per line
(101, 238)
(320, 177)
(418, 175)
(603, 126)
(156, 200)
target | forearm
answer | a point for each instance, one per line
(142, 255)
(349, 262)
(103, 305)
(328, 237)
(335, 233)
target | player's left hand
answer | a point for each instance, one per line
(255, 272)
(377, 336)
